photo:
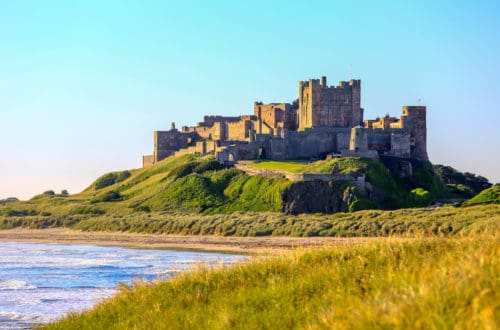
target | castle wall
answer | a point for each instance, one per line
(314, 142)
(400, 144)
(148, 160)
(166, 143)
(238, 131)
(210, 120)
(271, 113)
(379, 140)
(383, 123)
(214, 132)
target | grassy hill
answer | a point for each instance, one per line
(487, 196)
(188, 183)
(197, 195)
(418, 284)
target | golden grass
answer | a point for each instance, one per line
(427, 283)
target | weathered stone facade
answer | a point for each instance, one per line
(324, 120)
(321, 105)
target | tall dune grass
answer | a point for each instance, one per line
(427, 283)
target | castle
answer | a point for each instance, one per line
(324, 120)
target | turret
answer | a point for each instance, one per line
(414, 121)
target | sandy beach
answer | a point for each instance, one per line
(251, 245)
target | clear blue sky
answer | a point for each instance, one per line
(83, 84)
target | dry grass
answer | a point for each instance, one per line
(422, 284)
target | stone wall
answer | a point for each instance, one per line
(214, 132)
(148, 160)
(238, 131)
(400, 144)
(271, 113)
(166, 143)
(383, 122)
(312, 143)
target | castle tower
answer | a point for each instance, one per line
(414, 121)
(321, 105)
(359, 139)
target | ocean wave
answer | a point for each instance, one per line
(14, 320)
(16, 285)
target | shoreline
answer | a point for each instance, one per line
(227, 244)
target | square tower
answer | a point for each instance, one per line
(321, 105)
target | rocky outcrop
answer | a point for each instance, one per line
(315, 197)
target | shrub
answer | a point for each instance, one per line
(109, 196)
(362, 204)
(419, 197)
(110, 179)
(208, 165)
(142, 208)
(88, 210)
(182, 170)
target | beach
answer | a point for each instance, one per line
(250, 245)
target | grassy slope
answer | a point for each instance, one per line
(167, 186)
(423, 284)
(396, 190)
(487, 196)
(446, 221)
(167, 199)
(346, 165)
(160, 189)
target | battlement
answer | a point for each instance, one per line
(414, 110)
(323, 84)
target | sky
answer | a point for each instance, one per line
(83, 84)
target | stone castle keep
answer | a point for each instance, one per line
(325, 120)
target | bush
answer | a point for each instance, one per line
(182, 170)
(111, 178)
(362, 204)
(109, 196)
(451, 176)
(419, 197)
(21, 213)
(142, 208)
(208, 165)
(88, 210)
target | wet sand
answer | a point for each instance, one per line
(251, 245)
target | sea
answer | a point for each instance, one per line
(40, 283)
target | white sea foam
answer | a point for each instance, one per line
(15, 285)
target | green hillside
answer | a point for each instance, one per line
(487, 196)
(197, 184)
(178, 184)
(197, 195)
